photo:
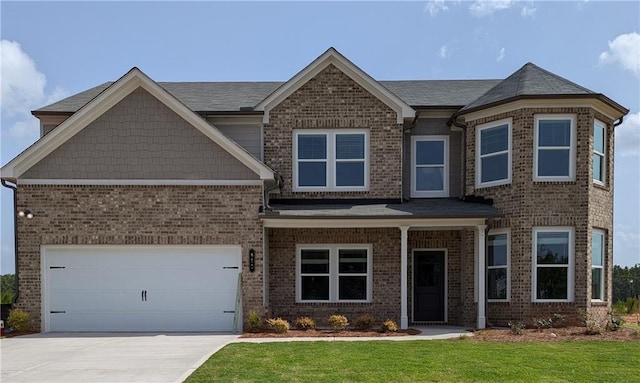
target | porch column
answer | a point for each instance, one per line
(404, 318)
(482, 296)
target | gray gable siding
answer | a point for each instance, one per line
(248, 136)
(140, 138)
(435, 127)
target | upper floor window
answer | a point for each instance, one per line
(553, 264)
(334, 160)
(429, 166)
(599, 152)
(333, 273)
(597, 264)
(498, 265)
(555, 143)
(493, 153)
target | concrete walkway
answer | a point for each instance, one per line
(427, 333)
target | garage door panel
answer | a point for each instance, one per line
(101, 288)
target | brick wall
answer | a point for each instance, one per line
(138, 215)
(331, 100)
(527, 204)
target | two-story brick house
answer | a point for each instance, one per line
(183, 206)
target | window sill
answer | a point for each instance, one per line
(600, 186)
(599, 303)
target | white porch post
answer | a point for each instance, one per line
(482, 296)
(404, 318)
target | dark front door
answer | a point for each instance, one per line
(428, 285)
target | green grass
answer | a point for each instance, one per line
(422, 361)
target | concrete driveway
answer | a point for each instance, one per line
(109, 357)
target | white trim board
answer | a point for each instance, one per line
(139, 182)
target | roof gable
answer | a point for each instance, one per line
(333, 57)
(104, 101)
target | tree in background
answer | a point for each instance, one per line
(7, 288)
(626, 287)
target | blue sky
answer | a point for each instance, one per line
(51, 50)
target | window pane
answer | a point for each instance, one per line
(554, 132)
(596, 283)
(312, 146)
(315, 288)
(430, 179)
(352, 287)
(495, 168)
(497, 250)
(350, 174)
(597, 248)
(494, 139)
(553, 163)
(598, 138)
(314, 261)
(553, 248)
(551, 283)
(597, 167)
(429, 152)
(312, 174)
(349, 146)
(353, 261)
(497, 279)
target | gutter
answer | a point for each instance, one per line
(15, 235)
(620, 120)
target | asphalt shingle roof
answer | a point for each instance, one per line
(530, 80)
(231, 96)
(417, 208)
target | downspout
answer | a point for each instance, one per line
(486, 280)
(15, 236)
(620, 120)
(453, 120)
(278, 185)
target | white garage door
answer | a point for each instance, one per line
(140, 288)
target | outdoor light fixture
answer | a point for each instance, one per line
(25, 213)
(252, 260)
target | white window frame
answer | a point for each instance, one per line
(429, 193)
(508, 265)
(334, 272)
(330, 182)
(479, 157)
(569, 266)
(571, 147)
(603, 154)
(601, 267)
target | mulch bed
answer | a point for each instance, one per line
(319, 333)
(554, 335)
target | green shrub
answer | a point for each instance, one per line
(389, 326)
(615, 322)
(254, 321)
(305, 323)
(548, 322)
(517, 328)
(365, 322)
(632, 305)
(18, 320)
(338, 322)
(620, 308)
(278, 325)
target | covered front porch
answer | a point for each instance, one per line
(423, 267)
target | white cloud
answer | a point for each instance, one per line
(444, 52)
(626, 247)
(22, 86)
(628, 136)
(25, 129)
(500, 55)
(435, 6)
(625, 51)
(481, 8)
(528, 11)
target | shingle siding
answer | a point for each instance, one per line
(140, 138)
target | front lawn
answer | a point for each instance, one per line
(422, 361)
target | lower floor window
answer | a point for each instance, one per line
(498, 266)
(597, 264)
(553, 264)
(333, 273)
